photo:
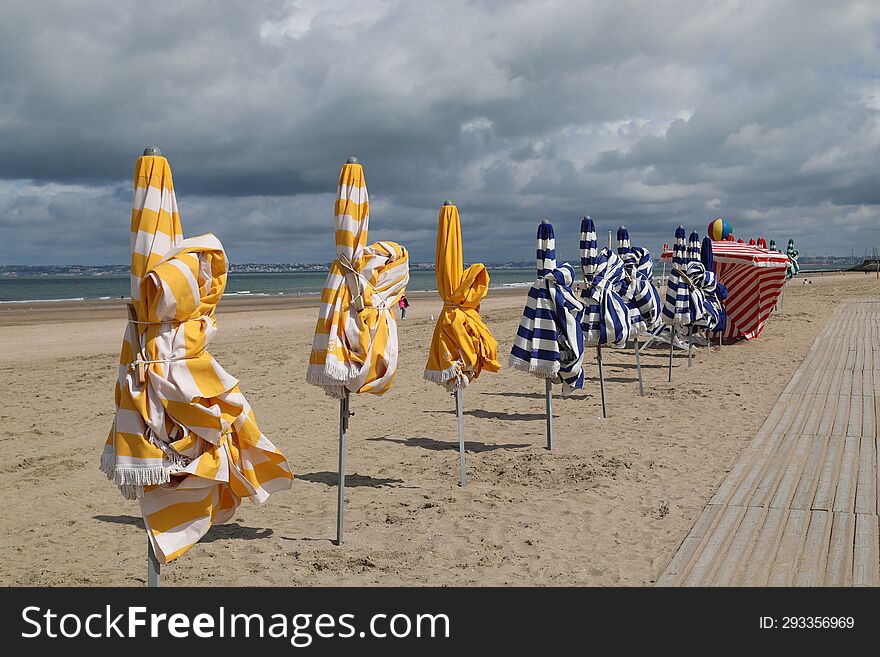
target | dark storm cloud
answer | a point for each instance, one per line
(649, 114)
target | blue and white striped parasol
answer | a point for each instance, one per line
(609, 322)
(549, 342)
(676, 305)
(693, 246)
(606, 320)
(638, 289)
(623, 243)
(715, 295)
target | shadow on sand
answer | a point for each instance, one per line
(231, 530)
(439, 445)
(351, 480)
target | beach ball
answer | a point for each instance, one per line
(719, 229)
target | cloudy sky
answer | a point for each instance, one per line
(649, 114)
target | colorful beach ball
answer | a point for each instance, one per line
(719, 229)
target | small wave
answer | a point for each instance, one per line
(44, 300)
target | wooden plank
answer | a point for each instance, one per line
(773, 473)
(839, 568)
(791, 472)
(866, 553)
(811, 566)
(817, 409)
(740, 547)
(806, 488)
(826, 422)
(785, 563)
(756, 569)
(844, 496)
(680, 562)
(869, 422)
(854, 420)
(827, 484)
(841, 415)
(715, 544)
(866, 486)
(746, 487)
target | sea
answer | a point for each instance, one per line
(31, 289)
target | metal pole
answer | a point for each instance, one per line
(671, 346)
(601, 379)
(655, 334)
(340, 501)
(549, 385)
(639, 369)
(690, 346)
(154, 579)
(463, 479)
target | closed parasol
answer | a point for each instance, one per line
(462, 345)
(355, 345)
(184, 440)
(549, 341)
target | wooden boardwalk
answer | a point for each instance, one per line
(800, 506)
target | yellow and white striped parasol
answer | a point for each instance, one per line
(355, 344)
(184, 440)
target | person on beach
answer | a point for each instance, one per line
(404, 304)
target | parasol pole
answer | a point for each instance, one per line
(671, 345)
(690, 346)
(463, 478)
(639, 368)
(549, 392)
(344, 414)
(601, 379)
(153, 567)
(154, 578)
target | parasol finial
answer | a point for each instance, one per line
(352, 160)
(447, 202)
(152, 150)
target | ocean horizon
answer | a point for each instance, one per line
(48, 288)
(45, 289)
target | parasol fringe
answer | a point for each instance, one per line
(542, 369)
(442, 376)
(329, 374)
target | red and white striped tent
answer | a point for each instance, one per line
(754, 278)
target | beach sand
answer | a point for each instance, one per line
(609, 506)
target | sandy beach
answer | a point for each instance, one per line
(609, 506)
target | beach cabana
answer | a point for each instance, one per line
(184, 441)
(549, 341)
(462, 345)
(355, 348)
